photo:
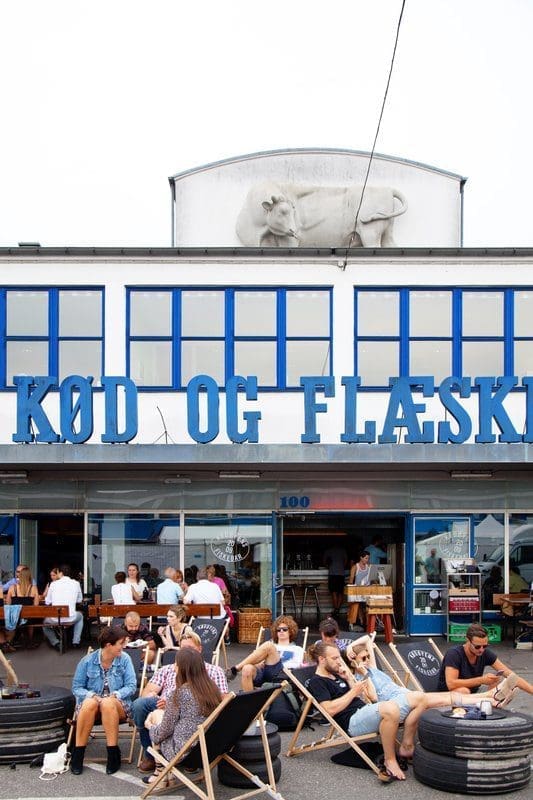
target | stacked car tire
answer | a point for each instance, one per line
(474, 756)
(30, 727)
(250, 753)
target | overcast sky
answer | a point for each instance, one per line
(103, 100)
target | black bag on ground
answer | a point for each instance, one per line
(285, 710)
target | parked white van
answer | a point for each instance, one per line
(520, 554)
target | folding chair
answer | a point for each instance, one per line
(140, 664)
(212, 632)
(335, 736)
(421, 660)
(213, 741)
(265, 635)
(11, 675)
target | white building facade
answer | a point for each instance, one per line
(254, 394)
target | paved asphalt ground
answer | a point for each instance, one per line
(307, 776)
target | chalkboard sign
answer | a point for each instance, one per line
(422, 661)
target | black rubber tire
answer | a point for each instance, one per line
(250, 748)
(21, 748)
(229, 776)
(52, 708)
(505, 734)
(470, 776)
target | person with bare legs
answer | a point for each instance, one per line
(340, 695)
(265, 664)
(104, 684)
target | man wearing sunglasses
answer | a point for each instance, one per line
(265, 664)
(463, 666)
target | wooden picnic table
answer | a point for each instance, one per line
(37, 614)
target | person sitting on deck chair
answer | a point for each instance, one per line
(340, 695)
(360, 657)
(265, 664)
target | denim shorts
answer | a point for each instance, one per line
(365, 720)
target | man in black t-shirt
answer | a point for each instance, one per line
(463, 666)
(337, 691)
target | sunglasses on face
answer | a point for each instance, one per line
(479, 646)
(282, 628)
(363, 658)
(185, 636)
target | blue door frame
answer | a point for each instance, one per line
(434, 622)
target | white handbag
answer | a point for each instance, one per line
(55, 763)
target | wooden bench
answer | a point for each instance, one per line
(37, 614)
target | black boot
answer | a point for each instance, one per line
(76, 760)
(113, 759)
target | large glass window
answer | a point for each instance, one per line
(276, 334)
(442, 332)
(242, 545)
(152, 542)
(52, 332)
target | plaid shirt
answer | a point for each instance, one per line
(165, 679)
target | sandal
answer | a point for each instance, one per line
(506, 700)
(505, 688)
(169, 780)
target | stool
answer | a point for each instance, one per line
(289, 588)
(310, 587)
(386, 616)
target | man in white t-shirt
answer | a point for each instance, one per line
(64, 592)
(265, 664)
(205, 591)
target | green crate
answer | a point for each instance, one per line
(457, 632)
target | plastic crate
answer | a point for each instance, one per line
(457, 632)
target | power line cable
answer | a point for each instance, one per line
(353, 234)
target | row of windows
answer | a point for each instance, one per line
(442, 332)
(277, 334)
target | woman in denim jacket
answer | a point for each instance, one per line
(104, 684)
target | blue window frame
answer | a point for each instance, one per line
(441, 331)
(51, 331)
(275, 333)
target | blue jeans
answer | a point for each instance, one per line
(76, 631)
(139, 711)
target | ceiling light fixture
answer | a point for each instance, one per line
(177, 479)
(13, 474)
(471, 474)
(239, 474)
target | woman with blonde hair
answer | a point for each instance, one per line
(22, 593)
(176, 626)
(195, 698)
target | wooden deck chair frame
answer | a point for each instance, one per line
(11, 675)
(220, 645)
(123, 731)
(410, 676)
(201, 749)
(301, 639)
(335, 736)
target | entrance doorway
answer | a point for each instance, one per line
(306, 536)
(47, 540)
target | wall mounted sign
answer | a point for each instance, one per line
(404, 411)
